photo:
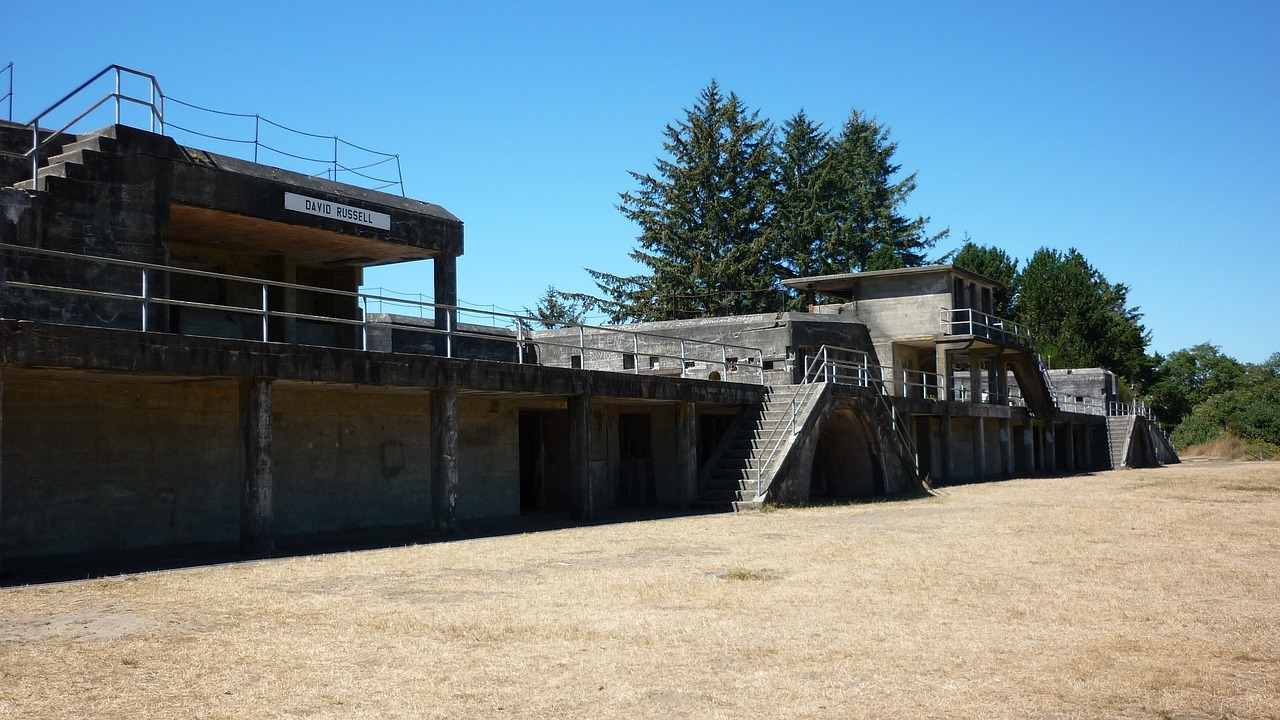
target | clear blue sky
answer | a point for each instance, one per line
(1147, 135)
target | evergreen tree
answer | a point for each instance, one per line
(557, 309)
(1080, 319)
(994, 263)
(705, 217)
(866, 230)
(804, 196)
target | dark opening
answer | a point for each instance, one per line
(844, 464)
(635, 467)
(544, 453)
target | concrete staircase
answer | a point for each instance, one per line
(1119, 430)
(735, 473)
(72, 158)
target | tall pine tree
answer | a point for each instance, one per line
(705, 216)
(867, 231)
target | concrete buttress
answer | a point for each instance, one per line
(256, 491)
(444, 458)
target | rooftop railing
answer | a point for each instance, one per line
(120, 87)
(132, 296)
(967, 321)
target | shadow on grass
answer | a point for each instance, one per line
(90, 566)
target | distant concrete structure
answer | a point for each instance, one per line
(186, 359)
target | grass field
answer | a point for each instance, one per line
(1129, 594)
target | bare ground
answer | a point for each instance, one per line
(1129, 594)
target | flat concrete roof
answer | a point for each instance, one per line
(841, 284)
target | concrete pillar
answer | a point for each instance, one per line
(995, 392)
(979, 450)
(581, 495)
(975, 378)
(285, 269)
(1071, 446)
(687, 453)
(944, 448)
(446, 293)
(1050, 449)
(943, 363)
(1006, 448)
(1028, 447)
(444, 459)
(256, 488)
(1, 440)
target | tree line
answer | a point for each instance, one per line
(737, 204)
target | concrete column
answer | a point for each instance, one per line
(1, 439)
(446, 293)
(285, 269)
(979, 450)
(1006, 447)
(1071, 446)
(943, 362)
(1028, 447)
(1050, 449)
(944, 448)
(444, 459)
(975, 378)
(581, 495)
(687, 453)
(995, 392)
(256, 488)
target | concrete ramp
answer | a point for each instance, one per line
(1032, 381)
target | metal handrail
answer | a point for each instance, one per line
(976, 322)
(157, 110)
(696, 350)
(8, 70)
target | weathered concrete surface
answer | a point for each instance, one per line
(444, 467)
(257, 488)
(38, 345)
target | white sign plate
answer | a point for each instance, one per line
(337, 211)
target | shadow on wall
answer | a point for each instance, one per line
(845, 463)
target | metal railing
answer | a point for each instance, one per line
(325, 152)
(337, 159)
(838, 366)
(261, 312)
(1134, 407)
(154, 103)
(920, 384)
(967, 321)
(7, 71)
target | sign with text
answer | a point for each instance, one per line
(337, 211)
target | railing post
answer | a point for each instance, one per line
(257, 122)
(683, 366)
(582, 347)
(448, 334)
(146, 299)
(117, 96)
(635, 353)
(724, 361)
(265, 311)
(519, 341)
(364, 323)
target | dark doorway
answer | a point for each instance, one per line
(531, 471)
(544, 453)
(635, 466)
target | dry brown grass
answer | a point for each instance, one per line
(1230, 447)
(1144, 594)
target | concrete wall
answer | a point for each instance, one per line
(97, 465)
(489, 458)
(348, 459)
